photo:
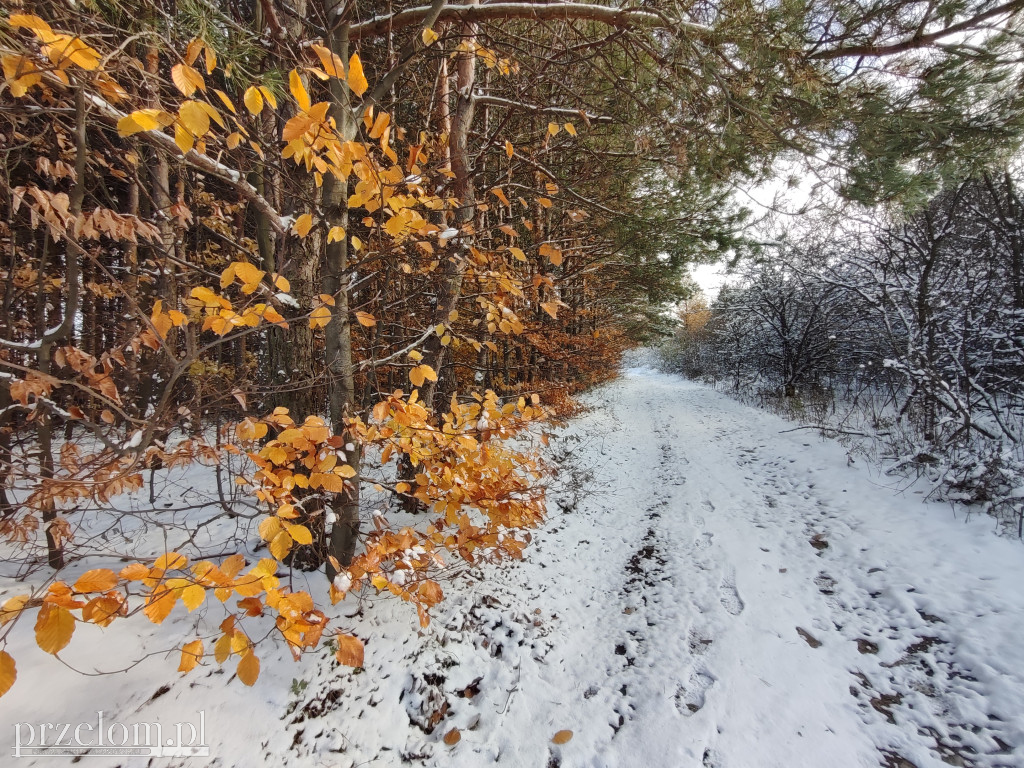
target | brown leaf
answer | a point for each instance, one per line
(251, 605)
(452, 737)
(561, 737)
(430, 592)
(106, 386)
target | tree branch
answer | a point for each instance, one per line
(918, 40)
(415, 45)
(200, 162)
(614, 17)
(497, 101)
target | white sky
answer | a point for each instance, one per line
(709, 277)
(778, 194)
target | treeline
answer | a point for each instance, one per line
(908, 328)
(160, 226)
(344, 212)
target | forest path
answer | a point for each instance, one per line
(730, 594)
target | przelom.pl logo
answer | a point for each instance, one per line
(112, 737)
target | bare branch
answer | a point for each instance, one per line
(615, 17)
(919, 40)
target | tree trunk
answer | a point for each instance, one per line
(49, 337)
(340, 373)
(455, 263)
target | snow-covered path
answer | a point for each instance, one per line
(728, 594)
(712, 590)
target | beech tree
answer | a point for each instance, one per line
(302, 242)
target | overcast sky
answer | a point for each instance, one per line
(777, 194)
(709, 277)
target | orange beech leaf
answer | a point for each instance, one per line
(356, 79)
(350, 650)
(54, 627)
(8, 672)
(253, 100)
(191, 653)
(248, 669)
(160, 604)
(98, 580)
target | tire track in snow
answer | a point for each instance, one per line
(927, 674)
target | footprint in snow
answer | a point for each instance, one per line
(690, 697)
(699, 642)
(704, 541)
(730, 596)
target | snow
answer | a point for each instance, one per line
(134, 441)
(287, 299)
(710, 590)
(342, 582)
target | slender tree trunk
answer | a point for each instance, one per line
(340, 371)
(44, 357)
(450, 288)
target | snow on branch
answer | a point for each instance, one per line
(497, 101)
